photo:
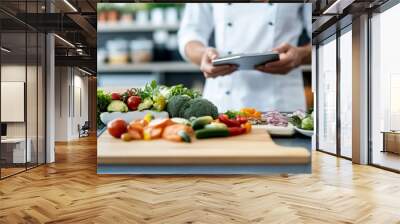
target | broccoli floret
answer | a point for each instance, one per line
(175, 103)
(199, 107)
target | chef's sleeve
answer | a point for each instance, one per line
(197, 25)
(307, 18)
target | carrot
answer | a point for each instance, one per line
(171, 132)
(161, 123)
(152, 133)
(135, 134)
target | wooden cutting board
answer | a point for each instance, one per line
(254, 148)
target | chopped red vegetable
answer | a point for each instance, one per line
(236, 131)
(223, 118)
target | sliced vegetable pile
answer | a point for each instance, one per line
(179, 129)
(177, 100)
(251, 114)
(276, 118)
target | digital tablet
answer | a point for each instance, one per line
(247, 61)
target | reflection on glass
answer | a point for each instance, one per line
(385, 86)
(327, 97)
(346, 94)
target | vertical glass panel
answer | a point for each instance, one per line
(346, 94)
(327, 96)
(14, 153)
(41, 99)
(32, 85)
(385, 87)
(32, 98)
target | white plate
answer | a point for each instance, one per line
(278, 130)
(131, 115)
(308, 133)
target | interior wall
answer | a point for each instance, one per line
(17, 73)
(71, 102)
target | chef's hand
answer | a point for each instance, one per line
(211, 71)
(290, 57)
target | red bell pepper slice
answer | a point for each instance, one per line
(236, 131)
(241, 119)
(223, 118)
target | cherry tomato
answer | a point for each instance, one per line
(133, 102)
(115, 96)
(117, 127)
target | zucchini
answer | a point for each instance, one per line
(212, 133)
(200, 122)
(184, 136)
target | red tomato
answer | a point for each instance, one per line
(236, 131)
(133, 102)
(115, 96)
(117, 127)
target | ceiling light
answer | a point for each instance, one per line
(65, 41)
(5, 50)
(70, 5)
(84, 71)
(337, 7)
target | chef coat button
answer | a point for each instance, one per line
(271, 23)
(229, 3)
(228, 92)
(229, 24)
(271, 4)
(229, 52)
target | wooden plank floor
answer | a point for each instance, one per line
(70, 191)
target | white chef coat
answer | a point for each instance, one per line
(249, 28)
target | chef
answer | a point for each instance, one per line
(248, 28)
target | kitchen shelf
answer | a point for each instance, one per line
(131, 27)
(149, 67)
(160, 67)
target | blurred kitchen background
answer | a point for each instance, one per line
(137, 42)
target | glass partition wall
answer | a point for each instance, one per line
(345, 92)
(326, 98)
(334, 94)
(22, 76)
(385, 89)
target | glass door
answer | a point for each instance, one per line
(345, 60)
(326, 102)
(385, 89)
